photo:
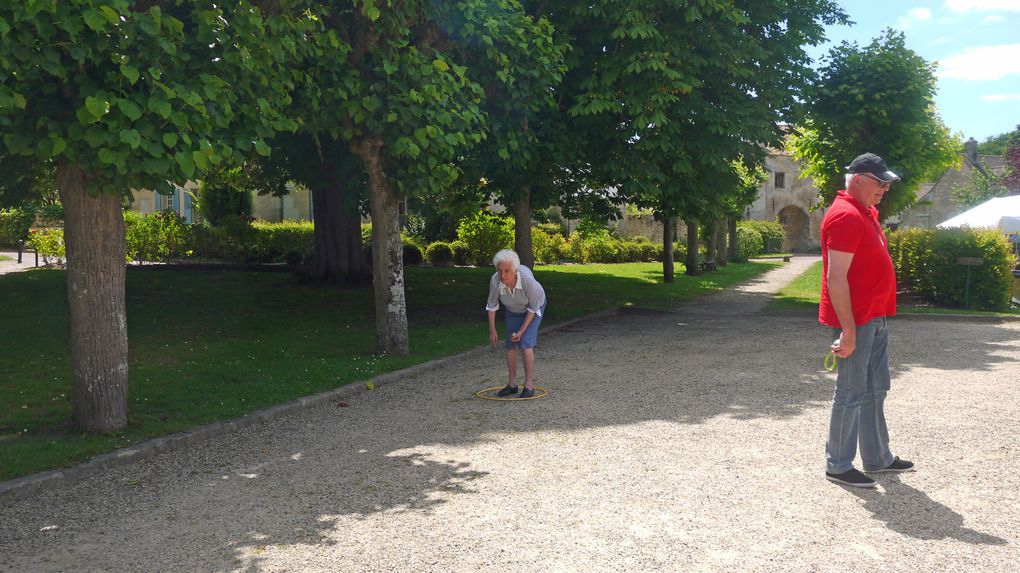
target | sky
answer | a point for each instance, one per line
(976, 44)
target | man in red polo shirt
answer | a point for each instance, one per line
(858, 293)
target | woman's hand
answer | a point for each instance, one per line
(493, 337)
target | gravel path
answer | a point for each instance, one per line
(670, 441)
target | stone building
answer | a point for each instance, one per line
(935, 202)
(786, 197)
(297, 205)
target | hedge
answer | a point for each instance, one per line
(767, 230)
(14, 225)
(750, 243)
(926, 260)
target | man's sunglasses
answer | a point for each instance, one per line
(883, 184)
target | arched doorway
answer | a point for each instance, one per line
(797, 226)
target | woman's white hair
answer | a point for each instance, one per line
(506, 256)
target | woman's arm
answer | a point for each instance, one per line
(493, 335)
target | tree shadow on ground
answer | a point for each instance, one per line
(288, 483)
(909, 511)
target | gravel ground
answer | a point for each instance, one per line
(689, 440)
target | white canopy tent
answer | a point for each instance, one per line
(1002, 213)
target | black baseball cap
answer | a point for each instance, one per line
(873, 164)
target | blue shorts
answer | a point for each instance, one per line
(514, 321)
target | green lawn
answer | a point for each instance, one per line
(5, 258)
(207, 346)
(805, 290)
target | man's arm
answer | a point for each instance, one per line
(839, 294)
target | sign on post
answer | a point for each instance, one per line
(968, 262)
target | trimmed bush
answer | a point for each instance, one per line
(926, 260)
(274, 240)
(595, 246)
(772, 234)
(158, 237)
(547, 246)
(749, 241)
(412, 254)
(293, 258)
(257, 242)
(461, 253)
(485, 234)
(49, 243)
(439, 254)
(14, 225)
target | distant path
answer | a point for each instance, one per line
(681, 440)
(12, 266)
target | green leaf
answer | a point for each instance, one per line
(186, 162)
(59, 145)
(160, 106)
(110, 14)
(261, 148)
(440, 65)
(170, 139)
(370, 11)
(129, 72)
(131, 137)
(129, 108)
(94, 20)
(19, 101)
(107, 156)
(84, 117)
(4, 27)
(97, 107)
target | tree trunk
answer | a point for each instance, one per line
(522, 228)
(667, 249)
(710, 246)
(692, 249)
(95, 244)
(720, 242)
(731, 228)
(339, 255)
(387, 252)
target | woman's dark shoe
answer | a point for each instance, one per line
(527, 393)
(508, 390)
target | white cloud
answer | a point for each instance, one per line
(920, 14)
(914, 16)
(983, 5)
(982, 63)
(1000, 97)
(994, 19)
(938, 41)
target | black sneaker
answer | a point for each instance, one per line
(527, 393)
(896, 466)
(507, 390)
(852, 478)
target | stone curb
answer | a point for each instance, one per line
(26, 486)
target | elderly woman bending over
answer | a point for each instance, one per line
(514, 286)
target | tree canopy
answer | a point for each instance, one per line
(114, 95)
(878, 99)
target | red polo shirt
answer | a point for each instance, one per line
(853, 228)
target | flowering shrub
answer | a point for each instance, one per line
(49, 243)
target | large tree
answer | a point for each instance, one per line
(692, 89)
(879, 99)
(396, 84)
(116, 95)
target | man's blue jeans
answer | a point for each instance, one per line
(858, 402)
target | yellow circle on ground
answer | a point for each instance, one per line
(540, 392)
